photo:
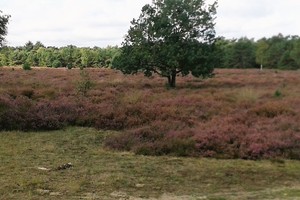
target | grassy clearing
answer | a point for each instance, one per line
(101, 174)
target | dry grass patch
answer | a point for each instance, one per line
(100, 174)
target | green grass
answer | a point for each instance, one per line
(101, 174)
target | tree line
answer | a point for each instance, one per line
(69, 56)
(277, 52)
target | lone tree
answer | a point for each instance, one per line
(170, 37)
(3, 26)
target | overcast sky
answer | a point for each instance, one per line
(105, 22)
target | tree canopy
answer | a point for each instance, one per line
(276, 52)
(36, 54)
(4, 19)
(170, 37)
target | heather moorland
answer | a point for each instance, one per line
(248, 114)
(104, 122)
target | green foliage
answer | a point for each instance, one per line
(88, 57)
(71, 56)
(4, 19)
(85, 83)
(158, 56)
(236, 53)
(277, 52)
(56, 63)
(277, 94)
(67, 55)
(295, 52)
(169, 38)
(26, 66)
(260, 53)
(69, 66)
(243, 54)
(29, 46)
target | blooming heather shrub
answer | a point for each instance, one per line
(269, 145)
(4, 103)
(28, 93)
(229, 137)
(174, 147)
(122, 142)
(109, 117)
(222, 140)
(272, 109)
(5, 107)
(14, 112)
(177, 143)
(137, 137)
(23, 113)
(47, 93)
(129, 116)
(52, 115)
(43, 117)
(153, 140)
(287, 123)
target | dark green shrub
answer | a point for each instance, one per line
(85, 84)
(26, 66)
(69, 66)
(56, 64)
(277, 94)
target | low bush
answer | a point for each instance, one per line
(26, 66)
(28, 93)
(273, 109)
(56, 64)
(85, 84)
(277, 94)
(136, 137)
(16, 115)
(174, 147)
(25, 114)
(228, 138)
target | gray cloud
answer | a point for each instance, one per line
(63, 22)
(257, 18)
(105, 22)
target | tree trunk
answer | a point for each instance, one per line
(172, 79)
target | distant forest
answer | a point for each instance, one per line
(70, 56)
(277, 52)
